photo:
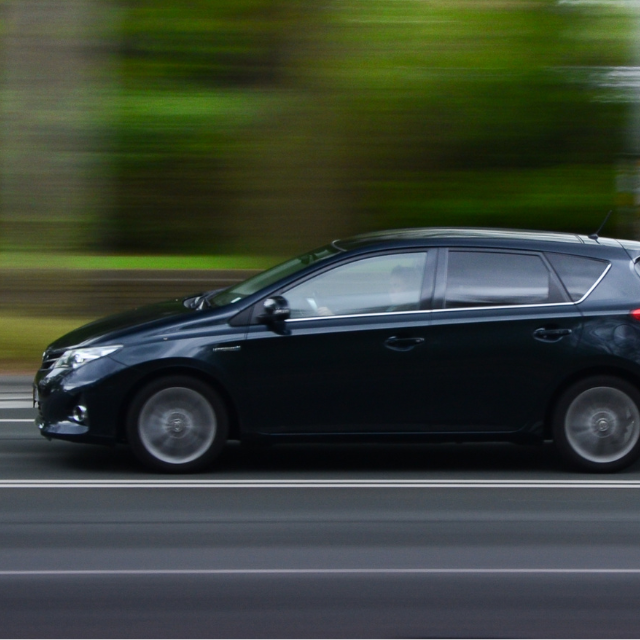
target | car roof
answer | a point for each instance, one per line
(470, 233)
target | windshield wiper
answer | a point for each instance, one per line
(191, 301)
(201, 300)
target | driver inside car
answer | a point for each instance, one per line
(403, 291)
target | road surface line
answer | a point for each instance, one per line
(31, 420)
(338, 571)
(318, 484)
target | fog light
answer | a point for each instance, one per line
(79, 414)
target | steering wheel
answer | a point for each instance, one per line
(312, 301)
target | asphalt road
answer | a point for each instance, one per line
(302, 541)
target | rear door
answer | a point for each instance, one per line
(503, 333)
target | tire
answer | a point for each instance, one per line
(177, 424)
(596, 424)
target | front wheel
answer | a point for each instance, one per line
(177, 424)
(596, 424)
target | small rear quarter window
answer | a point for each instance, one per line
(578, 274)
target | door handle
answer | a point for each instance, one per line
(402, 344)
(545, 334)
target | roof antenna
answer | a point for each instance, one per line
(594, 236)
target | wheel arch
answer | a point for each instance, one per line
(618, 372)
(198, 374)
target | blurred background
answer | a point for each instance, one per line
(152, 148)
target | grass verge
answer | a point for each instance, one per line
(32, 260)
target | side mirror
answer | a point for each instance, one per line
(276, 311)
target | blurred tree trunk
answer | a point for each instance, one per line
(51, 190)
(628, 169)
(293, 176)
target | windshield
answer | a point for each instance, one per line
(268, 277)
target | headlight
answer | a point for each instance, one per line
(74, 358)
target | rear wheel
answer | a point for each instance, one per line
(596, 424)
(177, 424)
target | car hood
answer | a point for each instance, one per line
(120, 325)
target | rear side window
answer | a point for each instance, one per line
(484, 278)
(578, 274)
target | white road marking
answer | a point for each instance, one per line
(319, 484)
(31, 420)
(16, 404)
(337, 571)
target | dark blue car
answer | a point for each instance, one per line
(415, 335)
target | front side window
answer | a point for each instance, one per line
(389, 283)
(485, 278)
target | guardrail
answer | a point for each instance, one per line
(96, 292)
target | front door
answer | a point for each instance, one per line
(354, 359)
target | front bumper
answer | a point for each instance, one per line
(99, 386)
(65, 429)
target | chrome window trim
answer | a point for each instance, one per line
(398, 313)
(491, 308)
(361, 315)
(509, 306)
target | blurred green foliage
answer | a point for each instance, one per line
(23, 339)
(267, 126)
